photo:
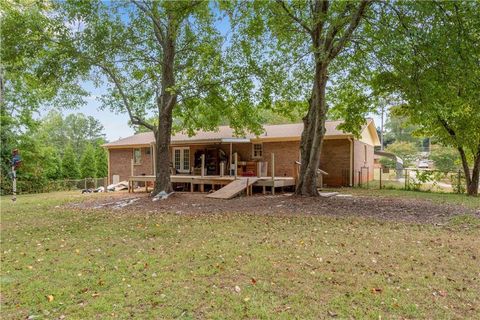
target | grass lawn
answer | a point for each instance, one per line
(438, 197)
(101, 264)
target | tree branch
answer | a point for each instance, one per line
(157, 27)
(136, 120)
(291, 15)
(354, 21)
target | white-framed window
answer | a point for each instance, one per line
(257, 150)
(181, 159)
(137, 156)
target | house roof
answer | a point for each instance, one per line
(281, 132)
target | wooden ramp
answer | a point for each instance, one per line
(233, 188)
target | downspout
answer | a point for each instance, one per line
(351, 161)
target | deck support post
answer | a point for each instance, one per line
(273, 172)
(222, 168)
(235, 163)
(202, 172)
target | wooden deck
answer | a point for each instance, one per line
(216, 182)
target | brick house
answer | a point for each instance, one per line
(346, 158)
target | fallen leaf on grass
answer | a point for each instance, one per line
(95, 294)
(332, 314)
(254, 281)
(237, 289)
(376, 290)
(50, 298)
(440, 293)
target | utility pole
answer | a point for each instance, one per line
(382, 108)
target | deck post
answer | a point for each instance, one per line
(235, 164)
(222, 168)
(273, 173)
(202, 171)
(230, 159)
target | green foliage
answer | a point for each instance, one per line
(101, 161)
(445, 158)
(430, 53)
(33, 70)
(398, 129)
(125, 55)
(53, 164)
(458, 183)
(70, 167)
(88, 166)
(58, 131)
(278, 52)
(405, 150)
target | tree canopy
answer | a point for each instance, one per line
(430, 53)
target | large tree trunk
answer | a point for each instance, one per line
(313, 134)
(472, 180)
(163, 160)
(166, 102)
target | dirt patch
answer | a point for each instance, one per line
(387, 208)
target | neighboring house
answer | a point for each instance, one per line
(345, 158)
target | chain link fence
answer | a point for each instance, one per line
(415, 179)
(49, 186)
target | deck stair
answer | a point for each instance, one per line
(233, 188)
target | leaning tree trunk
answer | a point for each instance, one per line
(472, 181)
(313, 134)
(472, 187)
(166, 102)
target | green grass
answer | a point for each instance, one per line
(438, 197)
(119, 264)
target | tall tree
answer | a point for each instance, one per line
(33, 72)
(70, 168)
(77, 129)
(303, 40)
(430, 53)
(160, 58)
(88, 166)
(101, 162)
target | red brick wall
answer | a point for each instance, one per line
(335, 160)
(286, 153)
(120, 163)
(146, 164)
